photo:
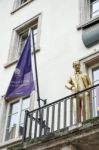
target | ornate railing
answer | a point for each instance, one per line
(62, 113)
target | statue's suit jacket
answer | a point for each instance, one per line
(80, 81)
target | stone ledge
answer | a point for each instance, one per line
(21, 6)
(88, 23)
(67, 136)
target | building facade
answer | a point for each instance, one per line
(64, 31)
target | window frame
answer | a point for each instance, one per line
(13, 49)
(10, 115)
(91, 69)
(87, 64)
(84, 11)
(19, 117)
(84, 15)
(94, 69)
(18, 5)
(89, 60)
(21, 43)
(91, 10)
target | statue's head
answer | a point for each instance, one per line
(76, 66)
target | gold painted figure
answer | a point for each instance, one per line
(79, 81)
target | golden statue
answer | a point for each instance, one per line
(79, 81)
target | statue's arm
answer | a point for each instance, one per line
(88, 80)
(68, 85)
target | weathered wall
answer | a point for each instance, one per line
(60, 43)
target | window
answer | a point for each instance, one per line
(89, 17)
(20, 3)
(95, 75)
(25, 106)
(89, 9)
(19, 36)
(15, 119)
(22, 40)
(95, 79)
(94, 8)
(91, 65)
(23, 36)
(23, 1)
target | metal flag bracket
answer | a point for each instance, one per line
(44, 101)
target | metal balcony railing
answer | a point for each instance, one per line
(62, 113)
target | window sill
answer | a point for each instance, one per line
(21, 6)
(88, 23)
(16, 60)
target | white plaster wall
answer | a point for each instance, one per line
(60, 43)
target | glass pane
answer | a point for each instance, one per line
(23, 38)
(96, 75)
(35, 40)
(93, 1)
(23, 1)
(25, 103)
(10, 133)
(21, 129)
(12, 120)
(14, 108)
(95, 6)
(22, 117)
(95, 14)
(95, 81)
(35, 31)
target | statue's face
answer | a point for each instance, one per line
(77, 67)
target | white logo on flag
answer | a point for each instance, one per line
(17, 72)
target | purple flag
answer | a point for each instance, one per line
(22, 83)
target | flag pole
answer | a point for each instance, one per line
(36, 72)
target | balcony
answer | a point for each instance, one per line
(72, 120)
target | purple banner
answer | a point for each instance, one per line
(22, 83)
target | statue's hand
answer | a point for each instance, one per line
(74, 89)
